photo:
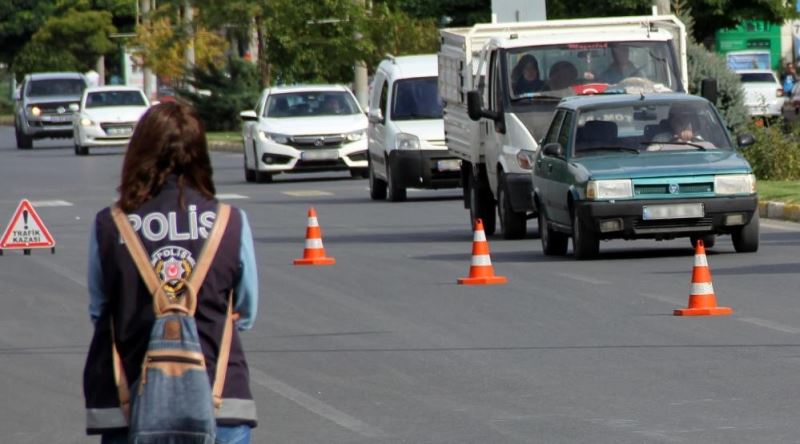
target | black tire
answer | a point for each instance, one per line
(482, 206)
(585, 243)
(377, 186)
(709, 240)
(396, 193)
(512, 223)
(745, 240)
(554, 243)
(262, 177)
(81, 150)
(24, 142)
(249, 175)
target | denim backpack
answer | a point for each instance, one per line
(173, 401)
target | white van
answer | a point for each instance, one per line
(406, 132)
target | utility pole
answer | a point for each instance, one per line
(360, 84)
(661, 7)
(149, 79)
(188, 18)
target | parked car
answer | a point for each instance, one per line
(45, 106)
(108, 115)
(658, 166)
(406, 130)
(763, 93)
(304, 128)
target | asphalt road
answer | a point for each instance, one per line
(384, 347)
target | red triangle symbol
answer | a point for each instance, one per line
(26, 230)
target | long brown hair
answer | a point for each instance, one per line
(168, 140)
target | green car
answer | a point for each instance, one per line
(657, 166)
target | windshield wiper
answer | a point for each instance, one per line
(609, 148)
(692, 144)
(535, 96)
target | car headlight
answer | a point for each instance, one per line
(86, 121)
(734, 184)
(355, 136)
(277, 138)
(404, 141)
(525, 159)
(609, 189)
(36, 111)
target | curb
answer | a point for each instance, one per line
(779, 210)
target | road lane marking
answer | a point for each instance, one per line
(584, 279)
(231, 196)
(314, 405)
(307, 193)
(51, 203)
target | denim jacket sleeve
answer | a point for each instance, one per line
(246, 294)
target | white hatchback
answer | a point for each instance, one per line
(304, 128)
(763, 94)
(108, 115)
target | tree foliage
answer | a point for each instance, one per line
(395, 32)
(19, 20)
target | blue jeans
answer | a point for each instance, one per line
(225, 435)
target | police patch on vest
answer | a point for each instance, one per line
(174, 266)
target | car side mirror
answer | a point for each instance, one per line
(474, 105)
(74, 107)
(375, 116)
(248, 116)
(745, 140)
(553, 149)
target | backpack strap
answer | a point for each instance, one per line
(224, 354)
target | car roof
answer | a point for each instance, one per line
(92, 89)
(754, 71)
(580, 102)
(421, 65)
(56, 75)
(306, 88)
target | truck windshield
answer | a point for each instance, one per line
(416, 99)
(650, 127)
(591, 68)
(55, 87)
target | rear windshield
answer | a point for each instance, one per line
(757, 77)
(114, 98)
(416, 99)
(55, 87)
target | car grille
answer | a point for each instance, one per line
(55, 109)
(662, 189)
(672, 225)
(316, 141)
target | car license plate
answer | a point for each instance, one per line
(320, 155)
(119, 131)
(674, 211)
(448, 165)
(57, 119)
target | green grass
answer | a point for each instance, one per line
(777, 190)
(224, 136)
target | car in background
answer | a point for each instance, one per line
(657, 166)
(763, 93)
(303, 129)
(406, 130)
(107, 117)
(45, 105)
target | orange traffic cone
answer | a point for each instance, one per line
(702, 301)
(314, 253)
(481, 271)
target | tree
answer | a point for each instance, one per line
(445, 12)
(19, 20)
(388, 31)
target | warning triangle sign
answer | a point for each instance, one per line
(26, 230)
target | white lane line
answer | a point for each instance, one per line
(314, 405)
(231, 196)
(51, 203)
(307, 193)
(584, 279)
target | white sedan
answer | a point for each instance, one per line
(304, 128)
(108, 115)
(763, 94)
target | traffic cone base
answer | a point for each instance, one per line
(489, 280)
(315, 261)
(712, 311)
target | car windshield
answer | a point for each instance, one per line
(310, 104)
(757, 77)
(589, 68)
(415, 99)
(114, 98)
(650, 127)
(55, 87)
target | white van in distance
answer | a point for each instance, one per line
(406, 131)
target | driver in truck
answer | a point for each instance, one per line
(621, 66)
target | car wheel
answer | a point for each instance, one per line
(377, 187)
(396, 192)
(249, 175)
(24, 142)
(554, 243)
(745, 240)
(585, 243)
(512, 223)
(482, 206)
(81, 150)
(708, 240)
(262, 177)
